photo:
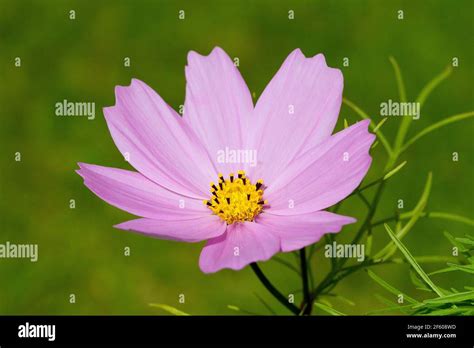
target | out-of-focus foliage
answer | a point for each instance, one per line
(83, 59)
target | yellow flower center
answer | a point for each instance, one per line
(236, 199)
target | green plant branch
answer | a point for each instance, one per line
(332, 276)
(399, 78)
(412, 261)
(329, 240)
(342, 273)
(274, 291)
(430, 214)
(385, 176)
(310, 275)
(370, 215)
(304, 276)
(338, 269)
(406, 121)
(390, 248)
(363, 199)
(390, 288)
(430, 86)
(429, 129)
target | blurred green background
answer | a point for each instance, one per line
(82, 60)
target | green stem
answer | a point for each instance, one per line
(406, 121)
(429, 129)
(330, 240)
(310, 275)
(365, 187)
(362, 197)
(384, 177)
(369, 217)
(331, 277)
(274, 291)
(338, 271)
(304, 276)
(426, 214)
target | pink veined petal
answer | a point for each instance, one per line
(296, 111)
(323, 175)
(218, 105)
(298, 231)
(240, 245)
(192, 230)
(158, 142)
(134, 193)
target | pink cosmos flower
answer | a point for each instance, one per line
(194, 179)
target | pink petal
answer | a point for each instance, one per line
(158, 142)
(134, 193)
(241, 244)
(218, 104)
(298, 231)
(193, 230)
(323, 176)
(309, 89)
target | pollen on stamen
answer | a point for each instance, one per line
(236, 199)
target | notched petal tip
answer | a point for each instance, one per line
(120, 90)
(297, 52)
(107, 110)
(370, 136)
(82, 169)
(194, 56)
(364, 124)
(320, 57)
(133, 83)
(86, 166)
